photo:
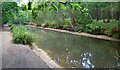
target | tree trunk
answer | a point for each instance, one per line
(117, 15)
(97, 13)
(112, 12)
(112, 16)
(108, 16)
(101, 14)
(118, 12)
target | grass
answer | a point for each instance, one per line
(21, 35)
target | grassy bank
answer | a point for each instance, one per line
(21, 35)
(100, 27)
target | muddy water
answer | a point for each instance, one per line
(73, 51)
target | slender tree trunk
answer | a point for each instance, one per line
(106, 12)
(108, 16)
(118, 12)
(112, 16)
(72, 22)
(97, 13)
(101, 14)
(112, 12)
(117, 15)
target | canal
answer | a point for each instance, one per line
(71, 51)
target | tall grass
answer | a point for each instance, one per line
(22, 36)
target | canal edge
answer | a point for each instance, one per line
(45, 57)
(103, 37)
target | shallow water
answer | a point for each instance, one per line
(73, 51)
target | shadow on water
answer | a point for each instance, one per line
(73, 51)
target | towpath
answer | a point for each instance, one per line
(16, 55)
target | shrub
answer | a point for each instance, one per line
(21, 36)
(31, 23)
(22, 17)
(52, 25)
(82, 19)
(117, 35)
(11, 26)
(109, 29)
(67, 20)
(95, 27)
(79, 28)
(66, 26)
(113, 29)
(106, 20)
(38, 25)
(56, 26)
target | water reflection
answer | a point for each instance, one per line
(76, 51)
(86, 61)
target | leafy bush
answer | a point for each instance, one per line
(106, 20)
(95, 27)
(82, 20)
(31, 23)
(52, 25)
(21, 36)
(109, 29)
(114, 20)
(9, 9)
(66, 26)
(23, 17)
(113, 29)
(67, 20)
(11, 26)
(86, 19)
(79, 28)
(38, 25)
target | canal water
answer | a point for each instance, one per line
(71, 51)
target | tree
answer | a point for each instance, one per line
(29, 5)
(24, 7)
(8, 11)
(118, 11)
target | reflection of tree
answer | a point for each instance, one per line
(86, 63)
(118, 63)
(116, 50)
(117, 55)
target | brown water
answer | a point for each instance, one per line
(73, 51)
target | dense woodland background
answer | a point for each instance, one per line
(91, 17)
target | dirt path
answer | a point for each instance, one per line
(18, 56)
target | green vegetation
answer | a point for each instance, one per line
(99, 18)
(91, 17)
(100, 27)
(12, 13)
(9, 9)
(21, 35)
(11, 26)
